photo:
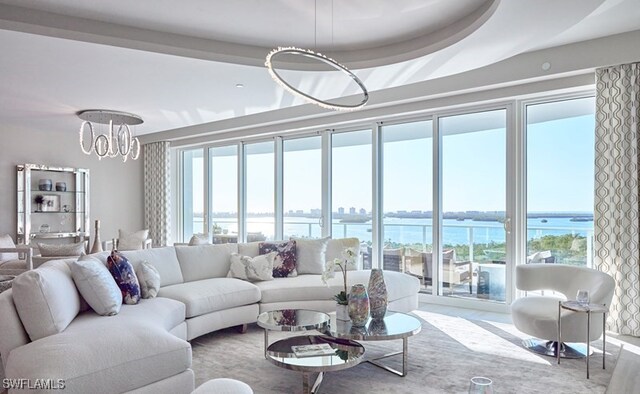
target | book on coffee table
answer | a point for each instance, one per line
(321, 349)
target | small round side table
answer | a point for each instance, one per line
(291, 320)
(575, 306)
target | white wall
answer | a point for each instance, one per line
(116, 188)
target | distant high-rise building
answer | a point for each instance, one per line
(363, 211)
(352, 211)
(341, 211)
(299, 212)
(316, 212)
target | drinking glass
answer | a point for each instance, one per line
(582, 297)
(480, 385)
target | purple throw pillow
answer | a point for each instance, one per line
(284, 266)
(125, 277)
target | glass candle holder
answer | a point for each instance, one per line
(582, 297)
(480, 385)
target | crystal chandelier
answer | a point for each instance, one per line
(117, 140)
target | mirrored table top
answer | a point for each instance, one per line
(394, 325)
(293, 320)
(347, 354)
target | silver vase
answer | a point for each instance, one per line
(378, 299)
(358, 305)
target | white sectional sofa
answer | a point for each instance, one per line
(144, 348)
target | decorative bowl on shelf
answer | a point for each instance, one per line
(45, 185)
(61, 186)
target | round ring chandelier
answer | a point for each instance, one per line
(326, 60)
(113, 142)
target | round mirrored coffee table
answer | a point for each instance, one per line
(394, 325)
(291, 320)
(347, 354)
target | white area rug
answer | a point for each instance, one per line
(442, 358)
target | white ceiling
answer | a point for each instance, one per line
(176, 64)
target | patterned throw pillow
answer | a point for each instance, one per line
(125, 277)
(149, 279)
(284, 265)
(257, 268)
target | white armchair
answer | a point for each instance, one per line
(14, 260)
(538, 315)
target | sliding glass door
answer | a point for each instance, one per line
(474, 190)
(223, 193)
(259, 162)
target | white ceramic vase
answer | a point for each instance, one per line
(342, 312)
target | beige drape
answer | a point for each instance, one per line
(157, 191)
(617, 188)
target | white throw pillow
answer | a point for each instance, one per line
(149, 279)
(310, 255)
(132, 241)
(61, 250)
(46, 299)
(96, 285)
(199, 239)
(257, 268)
(7, 242)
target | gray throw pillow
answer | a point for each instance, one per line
(96, 285)
(61, 250)
(310, 255)
(199, 239)
(149, 279)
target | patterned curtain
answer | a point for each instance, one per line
(157, 191)
(617, 187)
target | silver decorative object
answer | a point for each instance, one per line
(378, 298)
(113, 143)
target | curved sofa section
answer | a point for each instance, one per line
(145, 346)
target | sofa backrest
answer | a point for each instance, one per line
(12, 332)
(336, 246)
(205, 261)
(164, 259)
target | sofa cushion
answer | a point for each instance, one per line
(310, 255)
(251, 249)
(96, 285)
(46, 299)
(199, 239)
(210, 295)
(164, 259)
(205, 261)
(285, 263)
(336, 247)
(149, 279)
(252, 268)
(311, 288)
(109, 354)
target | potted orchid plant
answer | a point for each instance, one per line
(349, 257)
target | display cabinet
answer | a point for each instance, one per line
(53, 203)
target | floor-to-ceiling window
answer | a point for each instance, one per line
(192, 193)
(474, 190)
(351, 188)
(302, 187)
(407, 199)
(223, 193)
(560, 181)
(445, 168)
(260, 190)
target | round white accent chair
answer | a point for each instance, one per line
(538, 315)
(223, 386)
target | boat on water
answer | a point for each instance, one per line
(581, 219)
(543, 221)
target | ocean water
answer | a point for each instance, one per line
(411, 231)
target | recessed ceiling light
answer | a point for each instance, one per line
(239, 85)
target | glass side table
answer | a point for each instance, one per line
(291, 320)
(588, 309)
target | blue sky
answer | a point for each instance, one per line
(560, 157)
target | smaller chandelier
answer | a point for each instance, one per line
(118, 140)
(321, 58)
